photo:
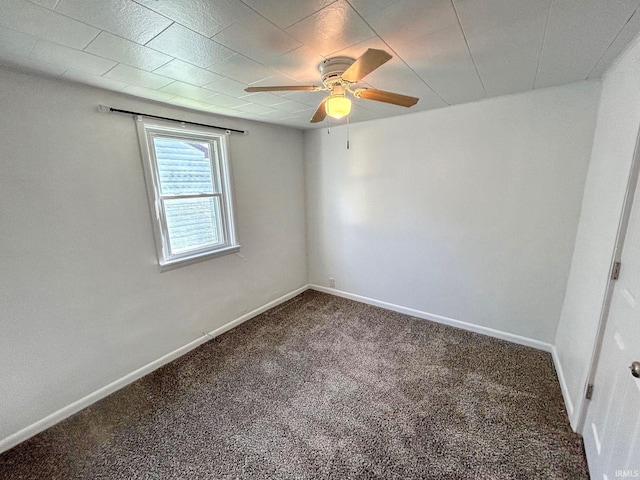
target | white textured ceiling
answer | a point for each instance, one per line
(201, 54)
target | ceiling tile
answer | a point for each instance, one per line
(128, 52)
(294, 107)
(217, 109)
(626, 36)
(506, 60)
(135, 76)
(370, 7)
(307, 112)
(486, 14)
(68, 57)
(266, 116)
(190, 103)
(187, 45)
(505, 38)
(243, 69)
(16, 43)
(188, 91)
(256, 108)
(275, 79)
(300, 64)
(248, 116)
(281, 115)
(285, 13)
(228, 87)
(151, 94)
(124, 18)
(408, 20)
(38, 21)
(50, 4)
(185, 72)
(573, 48)
(94, 80)
(299, 122)
(331, 29)
(227, 101)
(203, 16)
(263, 98)
(263, 43)
(442, 60)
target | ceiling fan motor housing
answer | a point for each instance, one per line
(331, 69)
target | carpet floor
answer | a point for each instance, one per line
(328, 388)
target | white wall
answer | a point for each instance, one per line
(611, 159)
(82, 300)
(468, 212)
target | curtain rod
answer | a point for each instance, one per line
(105, 108)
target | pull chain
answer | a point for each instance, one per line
(347, 132)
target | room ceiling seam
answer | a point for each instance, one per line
(612, 42)
(544, 39)
(473, 60)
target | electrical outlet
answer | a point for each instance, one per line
(332, 282)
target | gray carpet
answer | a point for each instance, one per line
(323, 387)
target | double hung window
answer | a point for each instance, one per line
(189, 187)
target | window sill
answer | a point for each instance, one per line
(183, 262)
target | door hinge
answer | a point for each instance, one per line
(589, 393)
(615, 273)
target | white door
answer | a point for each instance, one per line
(612, 426)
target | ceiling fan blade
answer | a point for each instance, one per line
(282, 88)
(386, 97)
(365, 64)
(320, 114)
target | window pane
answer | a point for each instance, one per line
(193, 223)
(184, 166)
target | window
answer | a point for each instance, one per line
(189, 189)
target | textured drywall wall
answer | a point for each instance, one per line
(82, 300)
(468, 212)
(613, 148)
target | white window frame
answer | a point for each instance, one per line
(148, 129)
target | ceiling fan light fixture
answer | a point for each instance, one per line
(337, 106)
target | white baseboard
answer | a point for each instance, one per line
(563, 387)
(510, 337)
(59, 415)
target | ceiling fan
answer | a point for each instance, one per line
(338, 76)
